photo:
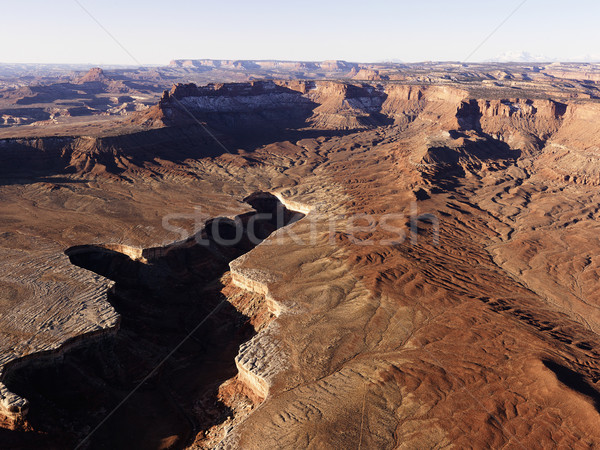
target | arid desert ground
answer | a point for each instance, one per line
(258, 254)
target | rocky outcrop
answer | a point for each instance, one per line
(53, 319)
(337, 65)
(234, 110)
(15, 407)
(369, 75)
(292, 204)
(95, 74)
(346, 106)
(8, 120)
(434, 104)
(260, 359)
(255, 282)
(108, 156)
(133, 253)
(523, 122)
(571, 154)
(235, 107)
(331, 105)
(280, 104)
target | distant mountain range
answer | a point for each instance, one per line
(523, 56)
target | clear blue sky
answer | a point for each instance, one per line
(155, 32)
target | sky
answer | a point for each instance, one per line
(155, 32)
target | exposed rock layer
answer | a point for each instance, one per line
(460, 310)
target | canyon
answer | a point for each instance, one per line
(373, 256)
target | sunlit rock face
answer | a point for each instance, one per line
(404, 258)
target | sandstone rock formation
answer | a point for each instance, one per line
(93, 75)
(441, 289)
(368, 75)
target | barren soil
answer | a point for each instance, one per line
(440, 289)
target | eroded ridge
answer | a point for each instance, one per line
(466, 315)
(259, 358)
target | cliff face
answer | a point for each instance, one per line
(179, 127)
(164, 278)
(334, 105)
(522, 122)
(234, 107)
(328, 105)
(111, 156)
(496, 291)
(572, 153)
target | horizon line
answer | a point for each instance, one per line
(391, 61)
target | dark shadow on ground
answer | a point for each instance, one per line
(161, 303)
(26, 161)
(574, 381)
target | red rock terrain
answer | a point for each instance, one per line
(438, 287)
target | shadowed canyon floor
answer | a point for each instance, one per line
(440, 290)
(175, 298)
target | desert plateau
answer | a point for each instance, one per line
(327, 225)
(302, 255)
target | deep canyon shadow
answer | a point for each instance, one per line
(162, 297)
